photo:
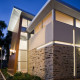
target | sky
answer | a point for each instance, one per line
(31, 6)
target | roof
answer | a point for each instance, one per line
(15, 18)
(52, 4)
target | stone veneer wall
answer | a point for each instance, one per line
(41, 62)
(52, 62)
(63, 62)
(78, 61)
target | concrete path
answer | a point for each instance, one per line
(1, 78)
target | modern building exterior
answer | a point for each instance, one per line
(49, 46)
(18, 53)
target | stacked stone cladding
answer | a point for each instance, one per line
(78, 62)
(63, 62)
(52, 63)
(41, 62)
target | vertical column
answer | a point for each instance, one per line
(28, 36)
(74, 51)
(53, 19)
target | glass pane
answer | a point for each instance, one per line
(77, 36)
(23, 29)
(78, 61)
(24, 23)
(23, 36)
(23, 45)
(22, 66)
(22, 55)
(23, 41)
(29, 22)
(64, 18)
(77, 23)
(47, 20)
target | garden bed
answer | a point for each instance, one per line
(19, 76)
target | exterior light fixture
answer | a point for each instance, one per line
(12, 51)
(0, 48)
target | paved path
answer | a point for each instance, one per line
(1, 78)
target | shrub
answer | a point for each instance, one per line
(19, 76)
(4, 71)
(36, 78)
(28, 76)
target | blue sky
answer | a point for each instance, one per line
(32, 6)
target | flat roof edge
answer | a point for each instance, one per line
(54, 5)
(38, 14)
(15, 15)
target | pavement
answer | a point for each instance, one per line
(1, 78)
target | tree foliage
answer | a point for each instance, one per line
(5, 41)
(2, 27)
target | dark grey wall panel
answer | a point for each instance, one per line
(77, 35)
(63, 32)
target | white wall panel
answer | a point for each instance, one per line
(42, 37)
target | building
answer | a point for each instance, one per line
(50, 45)
(18, 23)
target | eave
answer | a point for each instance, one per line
(52, 4)
(15, 19)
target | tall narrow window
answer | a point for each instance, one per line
(77, 23)
(29, 22)
(24, 23)
(22, 55)
(64, 18)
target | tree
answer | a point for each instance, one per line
(2, 27)
(7, 42)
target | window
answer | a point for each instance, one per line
(24, 23)
(47, 20)
(29, 22)
(23, 41)
(22, 55)
(64, 18)
(77, 23)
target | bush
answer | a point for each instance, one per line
(28, 76)
(19, 76)
(4, 71)
(36, 78)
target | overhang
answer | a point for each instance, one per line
(15, 19)
(52, 4)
